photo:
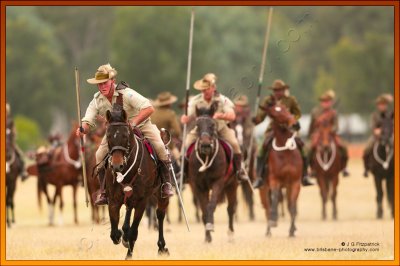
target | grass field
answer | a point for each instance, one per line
(31, 239)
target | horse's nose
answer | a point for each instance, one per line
(117, 167)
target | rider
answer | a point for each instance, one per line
(138, 110)
(382, 110)
(326, 103)
(224, 114)
(18, 151)
(281, 94)
(165, 117)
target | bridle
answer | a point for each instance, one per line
(127, 151)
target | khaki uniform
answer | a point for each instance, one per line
(133, 103)
(376, 122)
(315, 113)
(224, 106)
(165, 117)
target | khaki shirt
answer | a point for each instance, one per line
(317, 112)
(289, 102)
(376, 119)
(224, 106)
(133, 103)
(165, 117)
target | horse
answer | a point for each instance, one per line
(60, 167)
(326, 162)
(249, 156)
(14, 167)
(209, 169)
(285, 166)
(381, 163)
(134, 188)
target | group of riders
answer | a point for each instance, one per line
(150, 116)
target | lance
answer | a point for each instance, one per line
(260, 79)
(189, 66)
(82, 150)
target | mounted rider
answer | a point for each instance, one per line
(281, 94)
(138, 109)
(223, 115)
(326, 104)
(382, 110)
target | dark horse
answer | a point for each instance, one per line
(130, 161)
(381, 164)
(326, 161)
(59, 167)
(285, 166)
(208, 170)
(14, 168)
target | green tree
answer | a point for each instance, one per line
(28, 135)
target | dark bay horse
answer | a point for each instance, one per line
(285, 166)
(129, 160)
(326, 161)
(14, 168)
(59, 167)
(208, 170)
(381, 163)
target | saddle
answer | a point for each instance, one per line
(146, 143)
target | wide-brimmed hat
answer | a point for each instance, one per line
(103, 73)
(384, 98)
(164, 98)
(241, 100)
(328, 95)
(278, 84)
(206, 82)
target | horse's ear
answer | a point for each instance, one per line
(213, 108)
(108, 115)
(124, 115)
(197, 111)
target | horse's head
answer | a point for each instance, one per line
(324, 126)
(386, 136)
(9, 140)
(119, 137)
(279, 113)
(206, 128)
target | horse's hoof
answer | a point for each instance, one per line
(163, 252)
(268, 234)
(272, 223)
(125, 243)
(128, 257)
(208, 239)
(291, 235)
(210, 227)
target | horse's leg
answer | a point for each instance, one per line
(114, 212)
(203, 201)
(8, 207)
(324, 194)
(282, 203)
(212, 204)
(293, 194)
(390, 191)
(231, 194)
(335, 182)
(125, 227)
(274, 199)
(74, 190)
(196, 205)
(52, 206)
(61, 220)
(379, 195)
(133, 230)
(161, 210)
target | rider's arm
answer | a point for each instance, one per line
(143, 115)
(261, 113)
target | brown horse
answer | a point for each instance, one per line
(381, 163)
(285, 166)
(59, 167)
(211, 174)
(326, 161)
(14, 168)
(131, 178)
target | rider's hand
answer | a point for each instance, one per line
(219, 116)
(377, 132)
(81, 131)
(296, 126)
(184, 119)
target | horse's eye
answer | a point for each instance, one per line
(278, 108)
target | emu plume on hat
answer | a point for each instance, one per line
(206, 82)
(103, 73)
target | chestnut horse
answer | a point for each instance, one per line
(212, 173)
(14, 168)
(381, 163)
(129, 159)
(285, 166)
(326, 161)
(59, 167)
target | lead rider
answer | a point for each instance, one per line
(138, 110)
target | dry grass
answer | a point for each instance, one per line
(31, 238)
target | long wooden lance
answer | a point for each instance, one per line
(260, 78)
(189, 67)
(82, 150)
